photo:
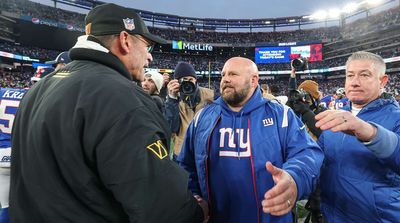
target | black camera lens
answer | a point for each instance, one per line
(187, 87)
(299, 64)
(296, 95)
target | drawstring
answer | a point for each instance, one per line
(234, 129)
(240, 127)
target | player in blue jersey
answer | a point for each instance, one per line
(341, 101)
(10, 99)
(326, 100)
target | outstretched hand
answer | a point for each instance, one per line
(345, 121)
(281, 198)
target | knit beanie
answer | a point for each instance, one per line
(184, 69)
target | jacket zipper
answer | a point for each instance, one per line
(207, 160)
(253, 175)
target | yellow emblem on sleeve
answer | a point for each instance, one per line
(158, 149)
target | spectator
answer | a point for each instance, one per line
(275, 91)
(266, 92)
(152, 84)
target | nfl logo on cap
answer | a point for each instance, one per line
(129, 24)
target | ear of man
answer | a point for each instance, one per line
(125, 43)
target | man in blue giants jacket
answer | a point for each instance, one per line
(248, 157)
(360, 178)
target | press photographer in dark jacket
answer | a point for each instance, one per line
(305, 102)
(90, 145)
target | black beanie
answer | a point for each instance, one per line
(184, 69)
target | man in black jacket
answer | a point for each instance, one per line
(305, 101)
(90, 145)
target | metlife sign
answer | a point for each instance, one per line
(180, 45)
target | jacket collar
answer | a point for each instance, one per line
(384, 99)
(89, 48)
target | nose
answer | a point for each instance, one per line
(149, 57)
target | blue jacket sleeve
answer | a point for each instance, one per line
(386, 145)
(303, 156)
(187, 161)
(171, 113)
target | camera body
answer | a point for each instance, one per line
(187, 87)
(297, 95)
(299, 64)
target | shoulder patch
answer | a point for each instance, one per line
(158, 148)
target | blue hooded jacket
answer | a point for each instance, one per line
(276, 135)
(360, 182)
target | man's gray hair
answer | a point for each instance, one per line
(377, 60)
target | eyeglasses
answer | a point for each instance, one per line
(150, 46)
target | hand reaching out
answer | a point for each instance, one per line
(344, 121)
(281, 198)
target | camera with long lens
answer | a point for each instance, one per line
(187, 87)
(299, 64)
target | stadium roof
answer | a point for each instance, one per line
(305, 12)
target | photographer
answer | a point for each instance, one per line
(305, 101)
(184, 99)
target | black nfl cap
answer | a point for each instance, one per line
(109, 19)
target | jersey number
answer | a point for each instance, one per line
(8, 117)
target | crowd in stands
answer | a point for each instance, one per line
(216, 62)
(15, 79)
(372, 23)
(237, 38)
(213, 62)
(32, 52)
(388, 19)
(335, 51)
(36, 10)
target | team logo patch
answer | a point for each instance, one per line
(129, 24)
(268, 121)
(158, 149)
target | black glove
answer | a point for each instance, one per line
(301, 107)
